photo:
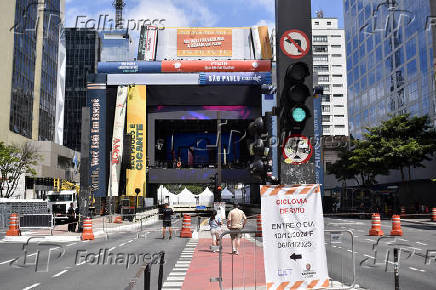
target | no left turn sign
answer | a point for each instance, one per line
(295, 43)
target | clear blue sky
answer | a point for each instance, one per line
(196, 12)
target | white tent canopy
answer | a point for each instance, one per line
(164, 195)
(186, 196)
(226, 194)
(206, 197)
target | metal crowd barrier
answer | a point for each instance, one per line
(350, 279)
(37, 221)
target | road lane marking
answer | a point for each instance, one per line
(123, 244)
(404, 240)
(69, 245)
(421, 243)
(421, 270)
(370, 240)
(60, 273)
(6, 262)
(32, 286)
(414, 269)
(112, 249)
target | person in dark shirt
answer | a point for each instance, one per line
(71, 217)
(166, 217)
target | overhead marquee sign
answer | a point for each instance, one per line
(204, 42)
(237, 78)
(293, 237)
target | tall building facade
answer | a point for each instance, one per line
(83, 47)
(116, 45)
(328, 46)
(390, 60)
(28, 86)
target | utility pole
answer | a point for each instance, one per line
(219, 177)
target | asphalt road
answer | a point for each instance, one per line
(73, 271)
(371, 265)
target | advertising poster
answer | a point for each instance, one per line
(147, 43)
(216, 66)
(96, 97)
(117, 140)
(293, 237)
(236, 78)
(204, 42)
(136, 127)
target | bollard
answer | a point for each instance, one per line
(433, 214)
(376, 226)
(396, 269)
(87, 233)
(186, 227)
(162, 262)
(396, 226)
(14, 227)
(147, 272)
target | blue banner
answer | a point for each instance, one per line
(96, 98)
(122, 67)
(317, 143)
(236, 78)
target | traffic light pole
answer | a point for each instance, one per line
(219, 169)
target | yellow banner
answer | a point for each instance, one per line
(137, 127)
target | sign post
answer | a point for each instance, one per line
(293, 237)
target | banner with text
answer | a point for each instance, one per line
(117, 140)
(293, 237)
(136, 127)
(204, 42)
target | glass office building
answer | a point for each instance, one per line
(82, 57)
(23, 69)
(389, 60)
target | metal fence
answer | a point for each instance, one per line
(37, 221)
(5, 212)
(246, 271)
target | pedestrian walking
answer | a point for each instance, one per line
(71, 218)
(215, 223)
(236, 220)
(167, 212)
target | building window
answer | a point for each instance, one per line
(325, 109)
(338, 95)
(338, 85)
(329, 23)
(336, 46)
(323, 78)
(337, 65)
(326, 118)
(321, 57)
(320, 48)
(337, 76)
(316, 22)
(320, 68)
(325, 129)
(335, 35)
(326, 88)
(339, 126)
(336, 55)
(339, 116)
(339, 106)
(320, 38)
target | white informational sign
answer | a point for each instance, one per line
(220, 207)
(293, 237)
(117, 140)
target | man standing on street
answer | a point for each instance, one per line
(166, 217)
(71, 218)
(236, 220)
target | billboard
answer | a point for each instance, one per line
(204, 42)
(137, 128)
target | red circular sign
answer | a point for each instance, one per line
(295, 43)
(295, 153)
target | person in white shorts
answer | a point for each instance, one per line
(215, 223)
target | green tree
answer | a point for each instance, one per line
(14, 162)
(342, 167)
(404, 142)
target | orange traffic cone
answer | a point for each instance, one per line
(87, 233)
(403, 211)
(396, 226)
(14, 227)
(259, 226)
(186, 227)
(376, 226)
(433, 214)
(118, 220)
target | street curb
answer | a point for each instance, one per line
(429, 223)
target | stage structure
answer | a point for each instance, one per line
(189, 104)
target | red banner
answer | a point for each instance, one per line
(216, 66)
